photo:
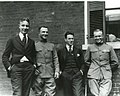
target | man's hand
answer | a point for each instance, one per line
(81, 72)
(56, 75)
(9, 68)
(34, 66)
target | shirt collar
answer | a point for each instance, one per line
(21, 36)
(67, 46)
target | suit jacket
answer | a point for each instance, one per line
(15, 50)
(78, 55)
(100, 59)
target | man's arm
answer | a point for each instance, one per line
(34, 55)
(87, 57)
(113, 59)
(87, 60)
(6, 54)
(56, 63)
(82, 61)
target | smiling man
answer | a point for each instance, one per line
(47, 65)
(71, 61)
(101, 60)
(21, 50)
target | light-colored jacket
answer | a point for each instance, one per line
(47, 59)
(100, 60)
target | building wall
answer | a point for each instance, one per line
(58, 16)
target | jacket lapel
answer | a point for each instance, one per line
(64, 52)
(19, 41)
(75, 52)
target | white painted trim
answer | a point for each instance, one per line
(85, 23)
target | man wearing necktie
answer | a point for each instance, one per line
(71, 61)
(24, 40)
(19, 59)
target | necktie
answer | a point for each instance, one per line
(24, 40)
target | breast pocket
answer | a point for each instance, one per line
(105, 54)
(39, 52)
(94, 54)
(49, 53)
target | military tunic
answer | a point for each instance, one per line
(100, 60)
(47, 63)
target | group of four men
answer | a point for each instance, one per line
(23, 58)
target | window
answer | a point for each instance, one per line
(113, 22)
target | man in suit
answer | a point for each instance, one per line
(18, 59)
(101, 60)
(47, 65)
(71, 61)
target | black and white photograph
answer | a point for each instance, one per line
(60, 48)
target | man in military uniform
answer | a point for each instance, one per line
(47, 65)
(101, 60)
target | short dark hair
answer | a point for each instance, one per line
(25, 19)
(41, 27)
(68, 33)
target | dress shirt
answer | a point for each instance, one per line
(24, 58)
(68, 47)
(22, 36)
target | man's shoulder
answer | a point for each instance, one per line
(31, 39)
(12, 38)
(108, 46)
(104, 46)
(50, 44)
(61, 48)
(91, 46)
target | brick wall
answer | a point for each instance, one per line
(58, 16)
(116, 78)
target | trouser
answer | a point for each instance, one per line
(44, 86)
(21, 78)
(72, 86)
(100, 87)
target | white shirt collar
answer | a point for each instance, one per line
(21, 36)
(67, 46)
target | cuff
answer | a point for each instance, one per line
(81, 72)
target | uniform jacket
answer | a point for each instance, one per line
(47, 59)
(15, 50)
(78, 55)
(100, 61)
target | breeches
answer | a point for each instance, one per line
(21, 78)
(44, 86)
(100, 87)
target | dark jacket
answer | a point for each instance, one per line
(78, 55)
(15, 50)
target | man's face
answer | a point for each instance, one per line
(24, 27)
(43, 33)
(98, 37)
(70, 39)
